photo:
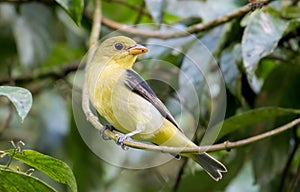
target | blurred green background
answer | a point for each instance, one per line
(41, 47)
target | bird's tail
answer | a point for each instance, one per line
(212, 166)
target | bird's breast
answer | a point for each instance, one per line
(102, 82)
(120, 106)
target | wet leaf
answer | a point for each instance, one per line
(261, 36)
(229, 67)
(20, 97)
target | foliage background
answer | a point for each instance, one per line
(42, 43)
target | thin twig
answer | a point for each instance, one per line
(95, 33)
(56, 72)
(96, 27)
(289, 161)
(179, 176)
(295, 182)
(216, 147)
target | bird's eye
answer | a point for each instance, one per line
(119, 46)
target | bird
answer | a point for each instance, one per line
(130, 106)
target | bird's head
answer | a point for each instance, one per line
(122, 50)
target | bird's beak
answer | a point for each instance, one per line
(137, 49)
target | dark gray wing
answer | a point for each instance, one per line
(137, 84)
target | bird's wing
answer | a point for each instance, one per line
(137, 84)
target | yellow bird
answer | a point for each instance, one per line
(127, 102)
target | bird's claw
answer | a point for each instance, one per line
(102, 131)
(120, 141)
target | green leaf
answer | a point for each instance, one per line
(252, 117)
(290, 12)
(54, 168)
(229, 67)
(17, 181)
(283, 93)
(62, 54)
(74, 8)
(20, 97)
(117, 12)
(273, 152)
(260, 38)
(33, 31)
(269, 157)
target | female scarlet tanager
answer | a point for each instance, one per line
(127, 102)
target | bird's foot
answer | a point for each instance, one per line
(120, 141)
(102, 131)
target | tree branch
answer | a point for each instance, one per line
(216, 147)
(162, 34)
(95, 33)
(190, 30)
(96, 27)
(179, 175)
(193, 29)
(56, 72)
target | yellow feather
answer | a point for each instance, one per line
(128, 111)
